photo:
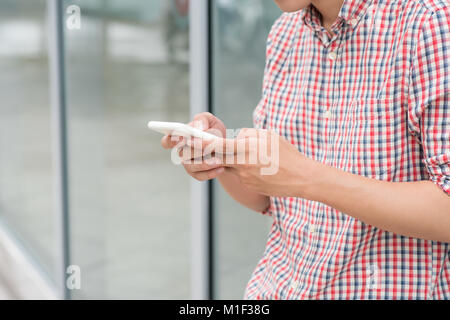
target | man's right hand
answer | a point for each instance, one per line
(202, 171)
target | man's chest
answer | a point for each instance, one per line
(344, 103)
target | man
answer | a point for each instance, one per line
(358, 95)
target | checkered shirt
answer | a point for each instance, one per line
(374, 100)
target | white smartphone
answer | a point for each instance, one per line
(180, 129)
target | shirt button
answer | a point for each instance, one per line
(354, 22)
(327, 114)
(332, 55)
(312, 229)
(294, 285)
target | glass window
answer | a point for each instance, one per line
(26, 174)
(129, 205)
(240, 33)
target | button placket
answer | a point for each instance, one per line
(353, 22)
(431, 287)
(332, 55)
(331, 114)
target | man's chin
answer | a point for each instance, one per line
(292, 5)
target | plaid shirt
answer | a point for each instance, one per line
(372, 100)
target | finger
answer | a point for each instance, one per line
(169, 141)
(191, 155)
(185, 153)
(200, 121)
(208, 175)
(206, 165)
(207, 119)
(198, 149)
(188, 154)
(241, 151)
(247, 132)
(226, 146)
(198, 143)
(219, 146)
(216, 132)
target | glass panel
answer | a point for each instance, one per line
(240, 32)
(26, 174)
(129, 206)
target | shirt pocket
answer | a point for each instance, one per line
(373, 138)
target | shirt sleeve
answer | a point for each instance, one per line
(278, 46)
(429, 102)
(260, 112)
(274, 55)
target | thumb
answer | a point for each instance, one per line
(201, 124)
(202, 121)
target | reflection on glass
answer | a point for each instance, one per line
(26, 175)
(129, 205)
(240, 32)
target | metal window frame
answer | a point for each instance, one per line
(201, 218)
(28, 280)
(59, 134)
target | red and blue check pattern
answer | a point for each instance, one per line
(374, 100)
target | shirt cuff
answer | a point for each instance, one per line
(439, 170)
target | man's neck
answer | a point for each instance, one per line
(329, 9)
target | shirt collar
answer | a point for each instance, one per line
(351, 12)
(354, 10)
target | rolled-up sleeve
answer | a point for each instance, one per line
(429, 102)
